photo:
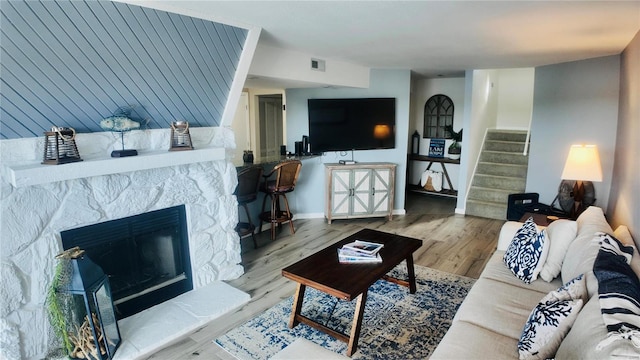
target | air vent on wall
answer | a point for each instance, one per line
(317, 64)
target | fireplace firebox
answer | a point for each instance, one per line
(146, 257)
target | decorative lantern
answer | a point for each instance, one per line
(92, 326)
(60, 146)
(180, 137)
(415, 143)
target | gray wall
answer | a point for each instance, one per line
(574, 103)
(624, 200)
(73, 63)
(309, 197)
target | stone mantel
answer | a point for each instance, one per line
(28, 174)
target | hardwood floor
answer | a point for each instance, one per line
(453, 243)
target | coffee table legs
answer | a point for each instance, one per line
(297, 306)
(410, 282)
(356, 326)
(412, 274)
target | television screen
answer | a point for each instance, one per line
(351, 124)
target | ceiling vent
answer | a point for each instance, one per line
(317, 64)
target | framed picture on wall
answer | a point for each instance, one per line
(436, 148)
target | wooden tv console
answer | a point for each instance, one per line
(359, 190)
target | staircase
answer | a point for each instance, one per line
(502, 170)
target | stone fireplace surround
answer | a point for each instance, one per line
(38, 204)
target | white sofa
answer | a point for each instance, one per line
(491, 319)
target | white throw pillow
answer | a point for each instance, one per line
(527, 252)
(551, 320)
(560, 233)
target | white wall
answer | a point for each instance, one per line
(272, 62)
(515, 98)
(624, 199)
(308, 198)
(574, 103)
(482, 114)
(423, 89)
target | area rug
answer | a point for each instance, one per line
(396, 324)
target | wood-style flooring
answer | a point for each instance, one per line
(453, 243)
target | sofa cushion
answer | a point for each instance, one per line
(583, 249)
(465, 340)
(500, 302)
(551, 320)
(498, 271)
(527, 252)
(560, 234)
(587, 332)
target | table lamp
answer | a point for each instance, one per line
(583, 166)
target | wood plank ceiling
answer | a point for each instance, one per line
(73, 63)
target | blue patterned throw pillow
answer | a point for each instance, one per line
(527, 252)
(551, 320)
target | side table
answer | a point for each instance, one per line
(540, 219)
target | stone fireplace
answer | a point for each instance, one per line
(39, 202)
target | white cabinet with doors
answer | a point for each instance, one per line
(359, 190)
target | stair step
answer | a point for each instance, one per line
(501, 157)
(505, 146)
(502, 169)
(489, 195)
(486, 209)
(499, 182)
(507, 135)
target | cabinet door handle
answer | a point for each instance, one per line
(373, 191)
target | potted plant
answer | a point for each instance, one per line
(455, 148)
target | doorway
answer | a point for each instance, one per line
(271, 124)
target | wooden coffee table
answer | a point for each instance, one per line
(323, 271)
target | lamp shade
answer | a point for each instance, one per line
(583, 163)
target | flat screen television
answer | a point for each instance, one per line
(351, 124)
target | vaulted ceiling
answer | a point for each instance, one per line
(438, 38)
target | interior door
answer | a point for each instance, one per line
(271, 127)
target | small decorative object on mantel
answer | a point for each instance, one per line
(121, 122)
(60, 146)
(80, 307)
(180, 137)
(247, 157)
(436, 148)
(455, 149)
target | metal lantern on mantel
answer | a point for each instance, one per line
(60, 146)
(93, 327)
(180, 137)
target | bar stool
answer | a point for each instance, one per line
(247, 192)
(286, 175)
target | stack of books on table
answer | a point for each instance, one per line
(360, 251)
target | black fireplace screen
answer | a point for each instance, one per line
(146, 256)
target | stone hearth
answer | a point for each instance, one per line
(34, 214)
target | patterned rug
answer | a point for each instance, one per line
(396, 324)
